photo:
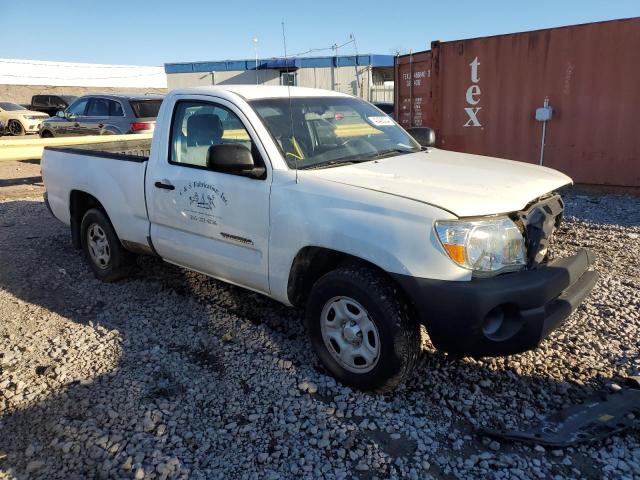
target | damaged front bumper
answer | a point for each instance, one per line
(502, 315)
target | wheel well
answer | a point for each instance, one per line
(79, 203)
(310, 264)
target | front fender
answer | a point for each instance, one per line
(396, 234)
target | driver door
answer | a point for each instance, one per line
(212, 222)
(69, 124)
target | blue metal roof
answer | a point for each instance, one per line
(281, 63)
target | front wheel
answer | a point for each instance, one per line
(105, 254)
(361, 328)
(15, 128)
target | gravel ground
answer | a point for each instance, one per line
(174, 375)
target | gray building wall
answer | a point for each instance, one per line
(342, 79)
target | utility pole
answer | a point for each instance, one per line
(337, 72)
(352, 37)
(255, 49)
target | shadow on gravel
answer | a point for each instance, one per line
(19, 181)
(177, 383)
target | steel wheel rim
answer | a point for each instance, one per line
(99, 248)
(350, 335)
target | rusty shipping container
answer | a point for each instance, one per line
(481, 96)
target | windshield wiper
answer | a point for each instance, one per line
(385, 153)
(357, 159)
(332, 163)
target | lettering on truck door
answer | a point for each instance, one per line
(213, 222)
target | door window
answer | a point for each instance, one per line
(78, 108)
(98, 107)
(40, 101)
(115, 109)
(196, 126)
(56, 102)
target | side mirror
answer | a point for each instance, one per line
(60, 114)
(425, 136)
(233, 158)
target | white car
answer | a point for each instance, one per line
(19, 120)
(318, 199)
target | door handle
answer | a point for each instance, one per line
(165, 186)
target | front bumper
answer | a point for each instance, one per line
(502, 315)
(31, 126)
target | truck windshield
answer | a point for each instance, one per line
(325, 131)
(11, 107)
(145, 108)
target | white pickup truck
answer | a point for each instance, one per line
(318, 199)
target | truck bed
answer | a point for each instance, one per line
(132, 150)
(117, 185)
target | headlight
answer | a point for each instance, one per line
(484, 246)
(32, 117)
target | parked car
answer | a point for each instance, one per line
(112, 114)
(50, 104)
(386, 107)
(19, 120)
(317, 199)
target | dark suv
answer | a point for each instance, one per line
(108, 114)
(50, 104)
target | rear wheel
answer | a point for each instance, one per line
(105, 254)
(361, 328)
(15, 128)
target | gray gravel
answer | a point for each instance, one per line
(174, 375)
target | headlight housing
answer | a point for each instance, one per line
(486, 246)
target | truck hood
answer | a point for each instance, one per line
(465, 185)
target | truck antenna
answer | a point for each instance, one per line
(293, 138)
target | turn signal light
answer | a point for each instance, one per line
(456, 252)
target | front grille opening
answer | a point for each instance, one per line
(538, 222)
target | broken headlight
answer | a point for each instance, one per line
(485, 246)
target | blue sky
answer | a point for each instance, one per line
(155, 32)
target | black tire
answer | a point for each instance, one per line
(46, 134)
(120, 261)
(397, 328)
(14, 127)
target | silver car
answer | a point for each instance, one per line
(105, 114)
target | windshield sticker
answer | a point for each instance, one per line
(382, 121)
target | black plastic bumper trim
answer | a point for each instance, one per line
(533, 302)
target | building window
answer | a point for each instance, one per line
(288, 78)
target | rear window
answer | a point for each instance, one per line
(145, 108)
